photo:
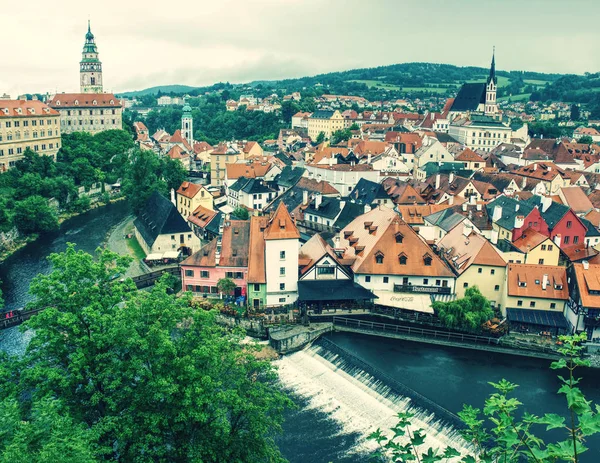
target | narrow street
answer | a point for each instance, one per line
(117, 242)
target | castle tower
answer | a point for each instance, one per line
(90, 67)
(491, 105)
(187, 125)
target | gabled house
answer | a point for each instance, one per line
(470, 160)
(511, 217)
(475, 262)
(205, 223)
(368, 193)
(583, 308)
(225, 256)
(552, 177)
(401, 193)
(537, 248)
(251, 193)
(160, 228)
(389, 258)
(190, 196)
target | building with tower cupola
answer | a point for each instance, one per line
(187, 125)
(91, 110)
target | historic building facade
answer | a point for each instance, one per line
(90, 67)
(27, 124)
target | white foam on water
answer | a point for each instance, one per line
(357, 401)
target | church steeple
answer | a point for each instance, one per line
(492, 76)
(90, 67)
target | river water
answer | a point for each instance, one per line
(340, 401)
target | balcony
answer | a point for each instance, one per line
(421, 289)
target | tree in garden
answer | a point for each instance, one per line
(142, 178)
(34, 215)
(150, 377)
(226, 286)
(340, 136)
(241, 213)
(320, 138)
(511, 434)
(586, 139)
(468, 313)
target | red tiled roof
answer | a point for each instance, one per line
(84, 100)
(23, 108)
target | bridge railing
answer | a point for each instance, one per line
(413, 331)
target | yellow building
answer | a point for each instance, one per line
(536, 297)
(192, 195)
(221, 156)
(27, 124)
(538, 248)
(326, 122)
(475, 262)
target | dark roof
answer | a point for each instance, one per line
(350, 212)
(214, 224)
(537, 317)
(322, 114)
(469, 97)
(446, 219)
(283, 158)
(507, 246)
(251, 185)
(159, 217)
(445, 138)
(501, 182)
(366, 192)
(332, 290)
(553, 214)
(329, 208)
(591, 230)
(289, 176)
(509, 210)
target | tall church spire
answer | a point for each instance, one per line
(90, 67)
(492, 76)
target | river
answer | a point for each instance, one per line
(338, 402)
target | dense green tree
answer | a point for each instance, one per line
(468, 313)
(586, 139)
(34, 215)
(226, 286)
(241, 213)
(340, 136)
(575, 112)
(320, 138)
(152, 377)
(142, 178)
(173, 173)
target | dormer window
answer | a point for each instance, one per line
(94, 102)
(399, 237)
(523, 284)
(403, 259)
(558, 287)
(58, 103)
(379, 257)
(427, 260)
(76, 102)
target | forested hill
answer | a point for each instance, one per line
(394, 81)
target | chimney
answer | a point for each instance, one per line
(479, 206)
(342, 204)
(519, 221)
(304, 197)
(336, 241)
(523, 183)
(451, 177)
(546, 203)
(472, 199)
(557, 239)
(497, 214)
(369, 158)
(494, 238)
(586, 264)
(464, 207)
(534, 166)
(467, 229)
(517, 207)
(331, 161)
(173, 197)
(545, 282)
(318, 199)
(437, 181)
(451, 200)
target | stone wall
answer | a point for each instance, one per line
(292, 338)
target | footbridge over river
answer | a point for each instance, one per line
(15, 317)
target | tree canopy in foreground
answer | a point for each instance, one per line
(116, 374)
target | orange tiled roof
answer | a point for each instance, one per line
(281, 226)
(528, 274)
(189, 190)
(23, 108)
(85, 100)
(254, 170)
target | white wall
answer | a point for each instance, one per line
(273, 261)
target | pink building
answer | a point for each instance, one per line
(224, 257)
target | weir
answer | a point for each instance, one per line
(362, 398)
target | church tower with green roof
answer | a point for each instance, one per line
(90, 67)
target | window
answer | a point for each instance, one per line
(386, 279)
(256, 287)
(479, 270)
(566, 240)
(465, 285)
(541, 261)
(229, 275)
(550, 247)
(172, 237)
(282, 300)
(519, 303)
(427, 260)
(204, 274)
(189, 273)
(497, 288)
(569, 224)
(281, 286)
(281, 270)
(325, 270)
(437, 282)
(553, 305)
(425, 281)
(282, 254)
(399, 237)
(575, 239)
(379, 258)
(367, 279)
(403, 259)
(492, 271)
(543, 247)
(189, 287)
(532, 304)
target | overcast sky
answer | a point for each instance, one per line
(200, 42)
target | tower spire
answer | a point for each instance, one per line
(492, 76)
(89, 27)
